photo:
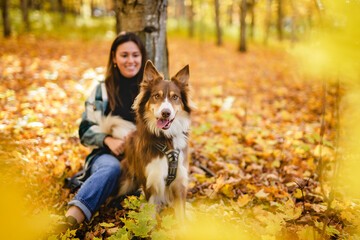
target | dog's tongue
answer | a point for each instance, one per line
(161, 123)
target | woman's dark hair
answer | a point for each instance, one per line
(113, 79)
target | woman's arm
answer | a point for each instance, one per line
(89, 131)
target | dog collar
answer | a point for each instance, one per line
(172, 157)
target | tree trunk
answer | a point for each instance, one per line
(218, 28)
(202, 27)
(25, 14)
(117, 16)
(61, 9)
(293, 22)
(92, 6)
(280, 20)
(268, 21)
(6, 19)
(191, 19)
(147, 18)
(242, 47)
(179, 8)
(230, 11)
(252, 24)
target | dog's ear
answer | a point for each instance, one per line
(182, 76)
(150, 73)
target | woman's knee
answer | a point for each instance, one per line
(114, 170)
(109, 165)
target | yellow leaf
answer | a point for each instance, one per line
(323, 151)
(242, 201)
(227, 190)
(298, 194)
(191, 184)
(261, 194)
(202, 178)
(59, 167)
(219, 183)
(251, 187)
(292, 213)
(276, 164)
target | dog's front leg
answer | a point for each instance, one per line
(155, 184)
(179, 193)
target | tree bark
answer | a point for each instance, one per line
(6, 19)
(242, 47)
(230, 11)
(147, 18)
(293, 22)
(92, 6)
(280, 20)
(25, 14)
(217, 19)
(179, 8)
(117, 16)
(268, 21)
(191, 19)
(61, 9)
(252, 24)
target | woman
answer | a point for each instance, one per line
(114, 96)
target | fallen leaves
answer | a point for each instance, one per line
(254, 143)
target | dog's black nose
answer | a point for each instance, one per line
(165, 113)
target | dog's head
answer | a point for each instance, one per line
(164, 105)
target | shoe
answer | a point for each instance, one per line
(68, 222)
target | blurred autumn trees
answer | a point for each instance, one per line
(244, 20)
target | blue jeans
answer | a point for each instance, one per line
(104, 174)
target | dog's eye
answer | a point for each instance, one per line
(157, 96)
(175, 97)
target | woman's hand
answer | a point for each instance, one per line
(117, 146)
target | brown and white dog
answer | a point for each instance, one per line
(163, 110)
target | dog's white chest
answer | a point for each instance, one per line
(156, 174)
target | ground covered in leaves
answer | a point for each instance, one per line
(255, 144)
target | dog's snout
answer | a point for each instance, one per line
(165, 113)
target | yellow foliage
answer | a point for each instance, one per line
(333, 49)
(15, 221)
(242, 201)
(206, 226)
(298, 194)
(350, 164)
(227, 189)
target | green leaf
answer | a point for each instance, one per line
(201, 129)
(167, 222)
(53, 237)
(69, 234)
(121, 234)
(331, 231)
(305, 147)
(328, 143)
(132, 202)
(159, 235)
(142, 229)
(104, 224)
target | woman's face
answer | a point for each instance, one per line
(128, 59)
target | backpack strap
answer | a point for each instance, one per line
(74, 183)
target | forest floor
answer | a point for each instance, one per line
(255, 145)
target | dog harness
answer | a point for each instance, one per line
(172, 157)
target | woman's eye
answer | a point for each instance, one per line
(175, 97)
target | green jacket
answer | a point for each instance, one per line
(89, 132)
